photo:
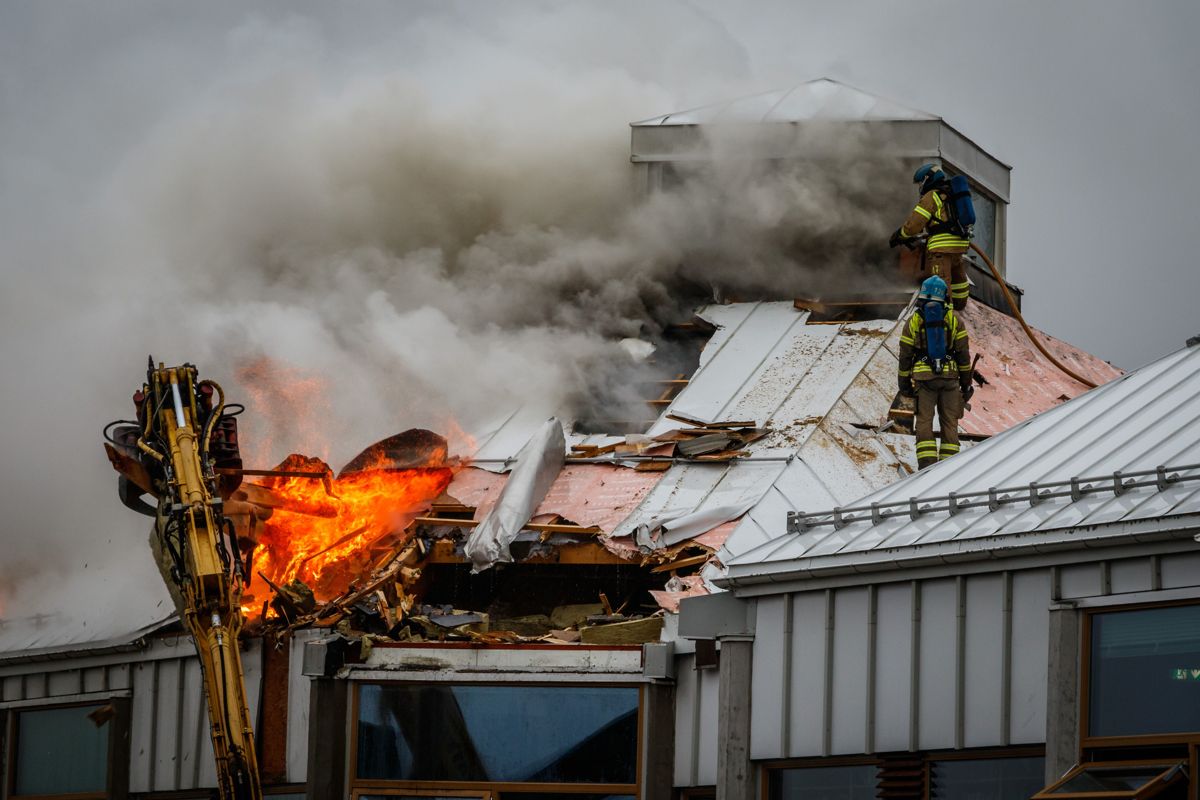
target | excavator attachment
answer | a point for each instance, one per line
(182, 452)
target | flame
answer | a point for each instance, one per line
(327, 541)
(285, 403)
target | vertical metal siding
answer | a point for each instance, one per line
(985, 661)
(893, 666)
(1030, 646)
(194, 747)
(1181, 569)
(298, 704)
(769, 677)
(686, 720)
(806, 711)
(706, 750)
(937, 659)
(1081, 580)
(848, 725)
(1131, 575)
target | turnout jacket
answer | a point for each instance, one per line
(931, 211)
(913, 360)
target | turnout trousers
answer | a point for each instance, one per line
(950, 268)
(940, 394)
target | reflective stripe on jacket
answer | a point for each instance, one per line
(913, 361)
(931, 210)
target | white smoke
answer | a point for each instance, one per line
(365, 245)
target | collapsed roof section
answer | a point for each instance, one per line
(819, 391)
(788, 410)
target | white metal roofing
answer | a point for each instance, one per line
(820, 99)
(1143, 420)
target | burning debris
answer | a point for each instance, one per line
(381, 551)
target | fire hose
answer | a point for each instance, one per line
(1012, 304)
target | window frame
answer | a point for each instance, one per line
(491, 789)
(769, 768)
(1141, 793)
(118, 726)
(1032, 751)
(1089, 742)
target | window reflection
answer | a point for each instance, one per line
(824, 783)
(549, 734)
(60, 751)
(1145, 672)
(986, 778)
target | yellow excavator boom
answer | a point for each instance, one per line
(177, 417)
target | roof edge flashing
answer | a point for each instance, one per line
(949, 554)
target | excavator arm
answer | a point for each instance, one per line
(182, 450)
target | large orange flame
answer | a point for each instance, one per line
(328, 541)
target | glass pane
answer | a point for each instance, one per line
(987, 778)
(1145, 672)
(1111, 779)
(824, 783)
(537, 734)
(985, 222)
(48, 741)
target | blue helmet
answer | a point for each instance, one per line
(929, 176)
(934, 288)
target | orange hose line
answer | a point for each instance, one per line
(1028, 331)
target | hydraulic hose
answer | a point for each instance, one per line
(213, 417)
(1012, 304)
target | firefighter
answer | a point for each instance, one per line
(944, 247)
(935, 367)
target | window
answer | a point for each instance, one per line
(499, 734)
(1144, 672)
(985, 222)
(47, 740)
(854, 782)
(986, 778)
(1117, 780)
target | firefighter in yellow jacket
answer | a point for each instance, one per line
(944, 247)
(935, 367)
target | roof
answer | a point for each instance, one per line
(1048, 482)
(31, 637)
(820, 99)
(822, 390)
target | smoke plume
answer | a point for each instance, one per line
(354, 254)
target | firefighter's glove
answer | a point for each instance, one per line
(906, 387)
(897, 239)
(967, 391)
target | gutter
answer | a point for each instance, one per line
(1045, 546)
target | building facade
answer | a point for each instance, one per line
(1020, 619)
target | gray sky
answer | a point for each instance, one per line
(207, 180)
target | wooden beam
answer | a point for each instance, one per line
(683, 563)
(536, 527)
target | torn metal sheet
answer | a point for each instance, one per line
(692, 499)
(538, 464)
(498, 444)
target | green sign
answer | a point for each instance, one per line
(1185, 674)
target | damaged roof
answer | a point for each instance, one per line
(803, 402)
(1049, 482)
(822, 391)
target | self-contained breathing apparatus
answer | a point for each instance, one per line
(932, 298)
